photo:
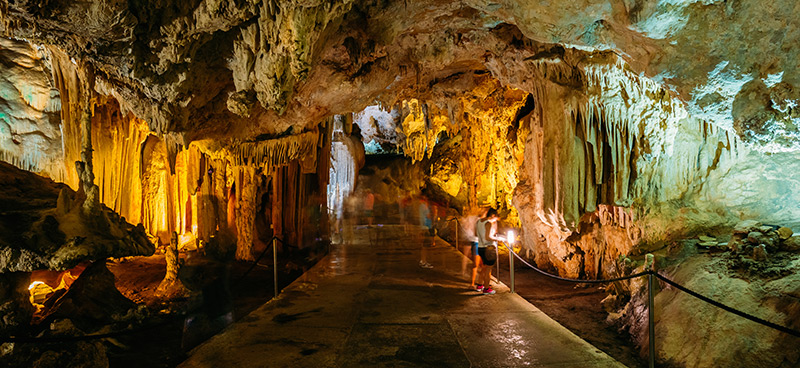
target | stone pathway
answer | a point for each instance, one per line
(369, 304)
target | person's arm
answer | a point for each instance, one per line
(491, 231)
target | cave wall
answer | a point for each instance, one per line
(625, 143)
(465, 134)
(30, 128)
(150, 178)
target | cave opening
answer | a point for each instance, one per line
(179, 164)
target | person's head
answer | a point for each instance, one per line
(492, 215)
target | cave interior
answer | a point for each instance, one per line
(153, 151)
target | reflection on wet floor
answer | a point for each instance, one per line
(369, 303)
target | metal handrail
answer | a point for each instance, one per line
(651, 275)
(456, 230)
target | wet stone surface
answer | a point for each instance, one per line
(370, 304)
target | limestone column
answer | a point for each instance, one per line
(171, 285)
(246, 213)
(85, 168)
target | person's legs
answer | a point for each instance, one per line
(423, 257)
(476, 270)
(477, 262)
(487, 279)
(423, 253)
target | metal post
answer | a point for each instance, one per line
(275, 263)
(651, 321)
(456, 230)
(497, 257)
(511, 266)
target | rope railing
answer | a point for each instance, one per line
(651, 275)
(264, 252)
(727, 308)
(603, 281)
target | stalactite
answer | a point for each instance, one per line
(273, 153)
(624, 145)
(66, 79)
(118, 147)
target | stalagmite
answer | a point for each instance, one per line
(85, 167)
(172, 286)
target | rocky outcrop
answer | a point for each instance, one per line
(42, 226)
(728, 340)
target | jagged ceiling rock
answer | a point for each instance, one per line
(211, 67)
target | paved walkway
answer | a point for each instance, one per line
(369, 304)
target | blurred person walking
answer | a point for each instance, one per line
(427, 225)
(486, 230)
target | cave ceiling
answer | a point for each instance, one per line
(244, 68)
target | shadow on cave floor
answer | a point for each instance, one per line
(164, 345)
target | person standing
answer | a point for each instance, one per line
(476, 261)
(369, 206)
(426, 223)
(486, 230)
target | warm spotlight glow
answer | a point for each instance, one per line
(511, 237)
(39, 292)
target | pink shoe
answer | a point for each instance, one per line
(479, 288)
(488, 290)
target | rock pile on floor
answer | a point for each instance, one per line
(751, 237)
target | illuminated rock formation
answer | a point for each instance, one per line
(172, 285)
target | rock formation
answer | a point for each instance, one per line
(40, 231)
(43, 227)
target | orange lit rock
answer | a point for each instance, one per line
(172, 286)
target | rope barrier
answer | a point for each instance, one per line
(577, 280)
(259, 259)
(670, 282)
(729, 309)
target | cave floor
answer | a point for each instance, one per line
(368, 303)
